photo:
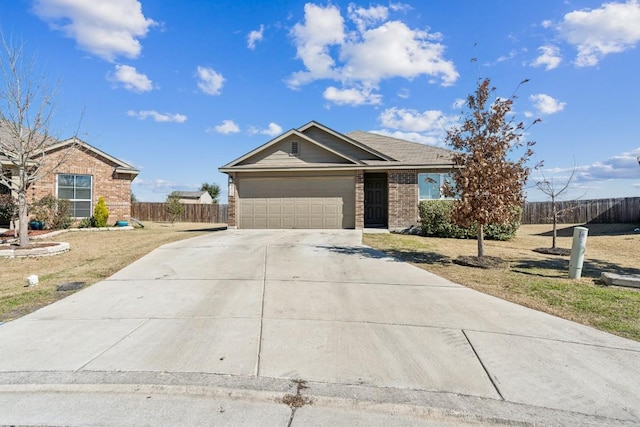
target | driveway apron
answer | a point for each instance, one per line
(320, 307)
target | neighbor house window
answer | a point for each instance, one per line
(76, 189)
(430, 185)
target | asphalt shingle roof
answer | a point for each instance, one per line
(408, 152)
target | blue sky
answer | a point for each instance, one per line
(179, 88)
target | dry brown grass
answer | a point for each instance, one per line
(536, 280)
(93, 256)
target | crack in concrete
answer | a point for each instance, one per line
(112, 345)
(295, 401)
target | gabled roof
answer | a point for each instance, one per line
(285, 135)
(120, 166)
(344, 138)
(382, 152)
(403, 151)
(189, 194)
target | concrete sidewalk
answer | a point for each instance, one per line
(218, 327)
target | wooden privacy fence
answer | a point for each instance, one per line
(607, 211)
(147, 211)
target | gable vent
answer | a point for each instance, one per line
(295, 148)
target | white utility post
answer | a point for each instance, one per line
(577, 252)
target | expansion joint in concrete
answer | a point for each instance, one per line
(495, 386)
(264, 284)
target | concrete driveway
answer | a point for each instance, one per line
(215, 329)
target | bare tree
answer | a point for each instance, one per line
(555, 189)
(489, 185)
(26, 110)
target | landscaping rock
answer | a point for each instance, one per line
(627, 280)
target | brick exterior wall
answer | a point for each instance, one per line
(359, 200)
(114, 187)
(403, 199)
(231, 210)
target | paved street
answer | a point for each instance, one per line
(217, 329)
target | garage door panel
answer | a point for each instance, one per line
(300, 202)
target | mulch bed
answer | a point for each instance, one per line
(9, 234)
(32, 245)
(553, 251)
(486, 262)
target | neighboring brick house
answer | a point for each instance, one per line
(315, 177)
(85, 175)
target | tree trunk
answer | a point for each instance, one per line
(555, 228)
(480, 240)
(23, 220)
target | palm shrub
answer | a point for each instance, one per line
(101, 213)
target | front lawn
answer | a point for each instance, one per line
(536, 280)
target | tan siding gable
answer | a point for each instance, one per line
(280, 154)
(339, 145)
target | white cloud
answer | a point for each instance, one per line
(612, 28)
(546, 104)
(504, 58)
(365, 18)
(409, 136)
(623, 166)
(550, 57)
(323, 27)
(130, 79)
(395, 50)
(158, 117)
(458, 103)
(428, 127)
(226, 128)
(272, 130)
(107, 29)
(254, 37)
(400, 7)
(351, 96)
(209, 81)
(412, 120)
(370, 50)
(546, 23)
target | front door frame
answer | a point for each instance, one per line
(376, 200)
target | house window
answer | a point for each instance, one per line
(76, 189)
(295, 148)
(3, 188)
(430, 185)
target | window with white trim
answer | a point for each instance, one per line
(78, 190)
(430, 185)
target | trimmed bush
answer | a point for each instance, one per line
(101, 213)
(8, 208)
(435, 220)
(53, 212)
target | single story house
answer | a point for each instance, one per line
(194, 197)
(316, 177)
(85, 175)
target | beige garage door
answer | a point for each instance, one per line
(300, 202)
